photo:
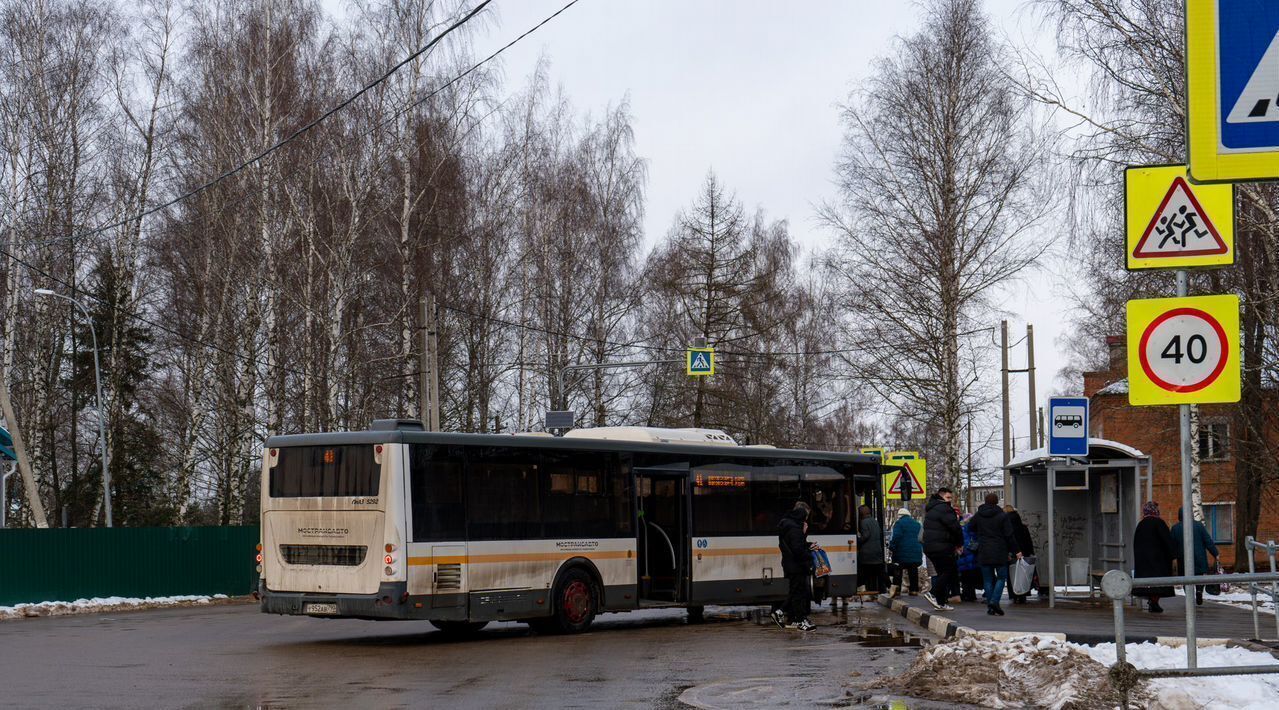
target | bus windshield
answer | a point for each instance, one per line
(335, 471)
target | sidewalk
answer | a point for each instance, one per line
(1081, 622)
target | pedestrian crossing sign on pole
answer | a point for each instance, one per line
(1232, 90)
(1172, 224)
(700, 362)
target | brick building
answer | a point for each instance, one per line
(1155, 431)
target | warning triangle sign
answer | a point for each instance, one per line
(1180, 227)
(916, 486)
(1259, 102)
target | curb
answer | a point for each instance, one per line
(949, 629)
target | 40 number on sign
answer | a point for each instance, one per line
(1183, 350)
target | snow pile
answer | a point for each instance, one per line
(100, 604)
(1224, 692)
(1024, 672)
(1243, 600)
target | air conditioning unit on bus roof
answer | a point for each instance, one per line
(655, 435)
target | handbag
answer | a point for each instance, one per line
(821, 563)
(1214, 588)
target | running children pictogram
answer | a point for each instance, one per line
(1173, 224)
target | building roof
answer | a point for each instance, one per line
(1097, 449)
(1119, 386)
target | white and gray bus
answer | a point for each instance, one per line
(463, 529)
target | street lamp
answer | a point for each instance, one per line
(97, 379)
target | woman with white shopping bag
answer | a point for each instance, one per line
(1021, 533)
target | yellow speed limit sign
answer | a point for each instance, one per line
(1183, 350)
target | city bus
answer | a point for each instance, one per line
(463, 529)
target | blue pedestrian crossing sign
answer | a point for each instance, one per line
(1067, 426)
(1232, 90)
(700, 362)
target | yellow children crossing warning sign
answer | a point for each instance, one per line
(916, 469)
(1183, 350)
(1172, 224)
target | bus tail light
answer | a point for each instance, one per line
(388, 559)
(259, 558)
(390, 571)
(390, 547)
(377, 454)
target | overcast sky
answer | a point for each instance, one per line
(751, 88)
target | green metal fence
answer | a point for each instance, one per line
(66, 564)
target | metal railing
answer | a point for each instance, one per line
(1270, 549)
(1118, 585)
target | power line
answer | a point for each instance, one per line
(290, 138)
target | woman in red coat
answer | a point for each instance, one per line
(1154, 552)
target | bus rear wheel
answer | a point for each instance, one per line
(575, 605)
(459, 628)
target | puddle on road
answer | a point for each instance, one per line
(883, 637)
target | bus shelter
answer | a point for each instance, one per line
(1081, 510)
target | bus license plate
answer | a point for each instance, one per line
(320, 609)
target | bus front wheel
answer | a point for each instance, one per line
(575, 604)
(459, 628)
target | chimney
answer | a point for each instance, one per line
(1117, 347)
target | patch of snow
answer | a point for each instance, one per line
(1244, 692)
(101, 604)
(1116, 387)
(1025, 671)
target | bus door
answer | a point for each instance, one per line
(662, 529)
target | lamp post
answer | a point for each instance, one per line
(97, 380)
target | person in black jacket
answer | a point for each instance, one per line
(797, 565)
(995, 546)
(1153, 554)
(943, 539)
(1025, 545)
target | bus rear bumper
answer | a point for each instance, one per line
(390, 602)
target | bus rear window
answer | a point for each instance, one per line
(335, 471)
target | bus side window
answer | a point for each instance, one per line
(435, 482)
(503, 497)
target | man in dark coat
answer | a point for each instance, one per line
(995, 546)
(870, 551)
(1025, 545)
(943, 539)
(1153, 554)
(1199, 547)
(797, 565)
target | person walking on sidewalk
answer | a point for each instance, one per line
(870, 551)
(1025, 545)
(1199, 547)
(797, 565)
(1153, 554)
(967, 565)
(995, 546)
(908, 552)
(943, 539)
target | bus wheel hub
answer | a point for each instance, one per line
(577, 601)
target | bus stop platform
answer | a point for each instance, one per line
(1083, 621)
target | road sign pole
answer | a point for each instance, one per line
(1187, 519)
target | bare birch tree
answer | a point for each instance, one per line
(938, 207)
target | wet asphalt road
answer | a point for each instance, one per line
(234, 656)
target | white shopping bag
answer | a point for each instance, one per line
(1023, 576)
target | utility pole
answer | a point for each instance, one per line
(1041, 428)
(1003, 370)
(1030, 374)
(429, 384)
